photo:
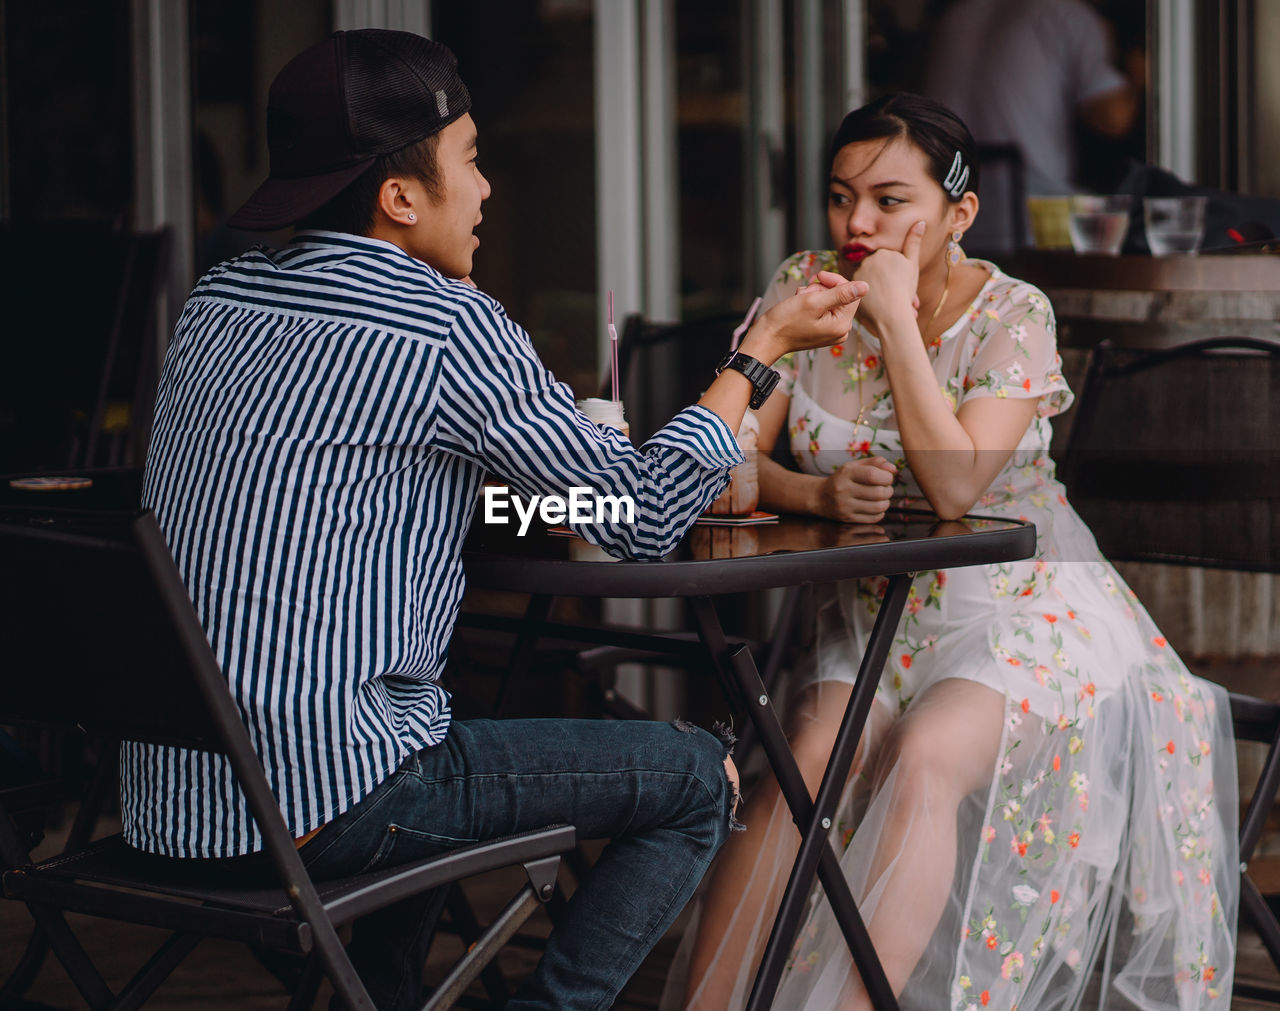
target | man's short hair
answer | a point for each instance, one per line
(353, 209)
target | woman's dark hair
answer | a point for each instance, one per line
(929, 125)
(351, 211)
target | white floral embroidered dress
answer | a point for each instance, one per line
(1114, 798)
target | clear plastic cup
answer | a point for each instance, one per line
(742, 497)
(1173, 224)
(1098, 224)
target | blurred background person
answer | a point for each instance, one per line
(1038, 74)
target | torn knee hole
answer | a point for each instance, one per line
(724, 731)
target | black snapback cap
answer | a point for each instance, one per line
(337, 106)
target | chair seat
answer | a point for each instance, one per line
(221, 908)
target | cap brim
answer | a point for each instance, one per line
(278, 203)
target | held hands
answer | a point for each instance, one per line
(894, 277)
(814, 317)
(858, 492)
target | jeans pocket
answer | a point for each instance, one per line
(382, 855)
(401, 845)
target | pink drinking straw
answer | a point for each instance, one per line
(613, 346)
(745, 325)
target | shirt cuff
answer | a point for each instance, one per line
(702, 435)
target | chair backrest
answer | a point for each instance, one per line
(97, 631)
(79, 331)
(1001, 225)
(1174, 455)
(665, 367)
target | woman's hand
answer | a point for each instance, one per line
(858, 492)
(893, 277)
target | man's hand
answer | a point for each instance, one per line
(814, 317)
(858, 492)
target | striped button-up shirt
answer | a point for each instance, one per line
(326, 416)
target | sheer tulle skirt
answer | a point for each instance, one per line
(1103, 837)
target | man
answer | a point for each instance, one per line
(1024, 72)
(325, 419)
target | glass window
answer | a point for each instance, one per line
(712, 95)
(239, 46)
(69, 150)
(530, 72)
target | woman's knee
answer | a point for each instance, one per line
(914, 758)
(928, 762)
(812, 743)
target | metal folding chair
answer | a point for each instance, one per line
(98, 633)
(1174, 457)
(1002, 226)
(27, 794)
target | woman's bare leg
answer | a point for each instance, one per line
(939, 752)
(751, 870)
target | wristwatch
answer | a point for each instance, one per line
(763, 378)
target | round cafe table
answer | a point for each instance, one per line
(715, 560)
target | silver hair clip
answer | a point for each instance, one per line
(957, 176)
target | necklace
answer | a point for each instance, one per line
(946, 287)
(863, 406)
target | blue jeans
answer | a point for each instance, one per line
(657, 790)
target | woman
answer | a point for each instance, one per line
(1039, 766)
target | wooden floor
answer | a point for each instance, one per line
(221, 975)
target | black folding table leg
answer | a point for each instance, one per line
(837, 888)
(746, 680)
(814, 819)
(788, 615)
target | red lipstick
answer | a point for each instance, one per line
(855, 252)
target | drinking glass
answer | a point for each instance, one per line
(1173, 224)
(1098, 224)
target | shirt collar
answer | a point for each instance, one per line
(311, 240)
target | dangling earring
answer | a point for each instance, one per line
(414, 217)
(954, 255)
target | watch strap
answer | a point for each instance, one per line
(763, 378)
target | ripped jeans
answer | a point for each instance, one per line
(658, 790)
